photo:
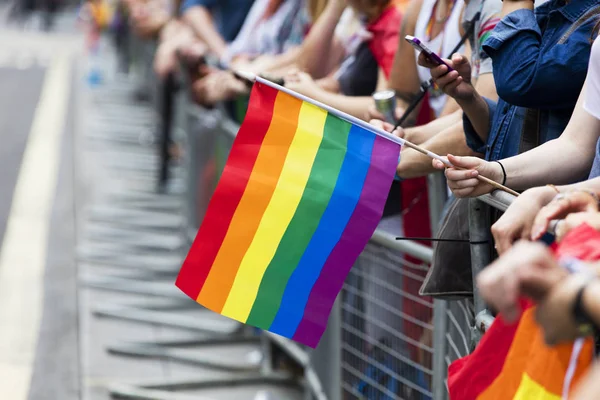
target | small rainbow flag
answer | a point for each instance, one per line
(301, 194)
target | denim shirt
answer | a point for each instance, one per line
(540, 61)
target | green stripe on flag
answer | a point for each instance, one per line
(315, 198)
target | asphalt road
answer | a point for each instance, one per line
(39, 351)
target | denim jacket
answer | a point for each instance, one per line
(540, 61)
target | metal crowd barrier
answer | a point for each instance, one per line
(383, 342)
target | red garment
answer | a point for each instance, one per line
(508, 351)
(384, 43)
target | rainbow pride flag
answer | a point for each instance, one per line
(301, 194)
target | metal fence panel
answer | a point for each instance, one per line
(386, 327)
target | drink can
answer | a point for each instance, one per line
(385, 102)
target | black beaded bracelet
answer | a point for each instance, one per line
(503, 172)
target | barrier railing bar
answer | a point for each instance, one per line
(368, 339)
(396, 259)
(391, 372)
(457, 326)
(392, 352)
(370, 382)
(390, 287)
(498, 199)
(388, 308)
(413, 249)
(453, 345)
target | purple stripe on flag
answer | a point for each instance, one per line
(360, 228)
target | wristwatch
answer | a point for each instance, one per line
(585, 324)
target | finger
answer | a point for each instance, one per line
(453, 174)
(466, 162)
(526, 233)
(503, 239)
(453, 85)
(466, 183)
(437, 164)
(458, 59)
(445, 80)
(555, 210)
(466, 192)
(438, 72)
(374, 114)
(377, 123)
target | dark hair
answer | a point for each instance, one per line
(596, 29)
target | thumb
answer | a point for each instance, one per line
(458, 59)
(465, 162)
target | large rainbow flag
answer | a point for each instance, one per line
(301, 194)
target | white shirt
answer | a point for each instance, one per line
(591, 103)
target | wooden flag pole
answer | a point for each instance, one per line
(253, 78)
(448, 164)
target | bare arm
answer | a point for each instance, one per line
(404, 78)
(563, 160)
(560, 161)
(275, 65)
(321, 42)
(421, 134)
(201, 21)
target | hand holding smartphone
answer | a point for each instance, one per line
(419, 46)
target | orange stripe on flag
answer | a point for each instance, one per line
(255, 200)
(530, 364)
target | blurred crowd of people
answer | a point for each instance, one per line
(519, 103)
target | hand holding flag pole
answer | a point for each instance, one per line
(402, 142)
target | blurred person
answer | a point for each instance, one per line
(538, 92)
(446, 134)
(322, 50)
(149, 17)
(272, 27)
(277, 64)
(368, 66)
(216, 22)
(560, 161)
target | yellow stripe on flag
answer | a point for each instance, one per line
(279, 212)
(529, 390)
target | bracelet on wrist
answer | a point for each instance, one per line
(503, 172)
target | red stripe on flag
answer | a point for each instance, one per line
(229, 191)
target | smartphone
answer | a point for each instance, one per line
(419, 46)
